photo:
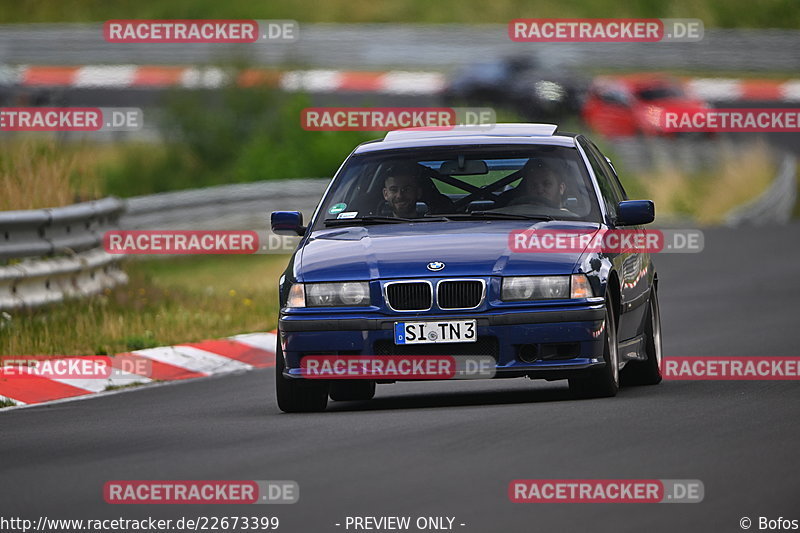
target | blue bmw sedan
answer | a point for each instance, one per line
(413, 252)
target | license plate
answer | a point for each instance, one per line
(435, 332)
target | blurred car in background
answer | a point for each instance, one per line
(13, 94)
(619, 106)
(522, 84)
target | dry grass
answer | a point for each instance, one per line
(37, 172)
(708, 196)
(166, 302)
(743, 176)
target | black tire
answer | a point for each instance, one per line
(647, 372)
(603, 382)
(298, 395)
(352, 390)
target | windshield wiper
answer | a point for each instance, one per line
(499, 215)
(376, 219)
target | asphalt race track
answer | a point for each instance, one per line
(451, 449)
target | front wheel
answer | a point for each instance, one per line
(298, 395)
(647, 372)
(604, 382)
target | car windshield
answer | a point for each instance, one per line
(443, 184)
(660, 93)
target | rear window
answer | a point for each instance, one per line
(660, 92)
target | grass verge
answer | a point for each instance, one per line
(235, 136)
(708, 194)
(166, 302)
(37, 172)
(128, 386)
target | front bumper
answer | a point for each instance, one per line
(549, 343)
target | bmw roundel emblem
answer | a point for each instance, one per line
(435, 266)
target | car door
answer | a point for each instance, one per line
(631, 265)
(637, 307)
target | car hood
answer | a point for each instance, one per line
(386, 251)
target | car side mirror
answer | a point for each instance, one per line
(287, 223)
(635, 212)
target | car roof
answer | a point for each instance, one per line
(498, 134)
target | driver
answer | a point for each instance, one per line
(402, 189)
(541, 183)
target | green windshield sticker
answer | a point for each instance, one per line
(337, 208)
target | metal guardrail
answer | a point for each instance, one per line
(39, 282)
(61, 248)
(60, 253)
(238, 206)
(41, 232)
(415, 46)
(773, 206)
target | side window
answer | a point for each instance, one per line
(618, 185)
(610, 196)
(611, 173)
(611, 94)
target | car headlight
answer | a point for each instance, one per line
(336, 294)
(520, 288)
